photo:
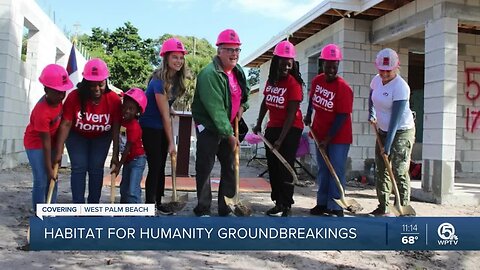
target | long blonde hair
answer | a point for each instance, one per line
(168, 83)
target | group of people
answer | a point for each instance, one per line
(91, 117)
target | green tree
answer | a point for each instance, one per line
(253, 76)
(129, 57)
(200, 53)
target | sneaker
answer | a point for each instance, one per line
(201, 212)
(275, 211)
(380, 213)
(335, 213)
(318, 210)
(165, 210)
(287, 211)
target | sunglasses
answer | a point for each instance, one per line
(232, 50)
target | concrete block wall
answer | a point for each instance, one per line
(19, 85)
(467, 152)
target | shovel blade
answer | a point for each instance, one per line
(178, 203)
(350, 205)
(181, 198)
(231, 202)
(175, 206)
(395, 210)
(353, 206)
(407, 210)
(237, 207)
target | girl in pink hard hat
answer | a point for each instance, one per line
(91, 119)
(390, 111)
(332, 100)
(133, 156)
(166, 84)
(283, 94)
(41, 132)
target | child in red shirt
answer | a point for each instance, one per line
(133, 155)
(41, 131)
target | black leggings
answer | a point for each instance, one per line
(156, 149)
(280, 177)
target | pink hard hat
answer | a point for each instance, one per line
(387, 59)
(95, 70)
(331, 52)
(172, 45)
(56, 77)
(139, 96)
(228, 36)
(285, 49)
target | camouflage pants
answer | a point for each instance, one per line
(400, 160)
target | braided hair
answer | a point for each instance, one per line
(274, 73)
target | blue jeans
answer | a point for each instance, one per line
(87, 155)
(40, 178)
(132, 175)
(327, 189)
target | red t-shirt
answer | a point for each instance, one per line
(44, 118)
(98, 117)
(329, 99)
(277, 98)
(134, 136)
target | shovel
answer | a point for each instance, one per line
(51, 186)
(237, 207)
(350, 205)
(177, 203)
(399, 210)
(280, 157)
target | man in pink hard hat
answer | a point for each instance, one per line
(220, 96)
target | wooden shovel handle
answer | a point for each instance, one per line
(52, 184)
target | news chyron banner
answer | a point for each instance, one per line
(134, 227)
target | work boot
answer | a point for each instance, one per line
(318, 210)
(380, 213)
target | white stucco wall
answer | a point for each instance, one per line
(19, 85)
(468, 131)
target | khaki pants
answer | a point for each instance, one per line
(400, 159)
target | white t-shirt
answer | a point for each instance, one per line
(383, 97)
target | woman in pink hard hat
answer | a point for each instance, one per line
(41, 132)
(220, 96)
(283, 94)
(389, 109)
(133, 156)
(166, 84)
(91, 119)
(332, 100)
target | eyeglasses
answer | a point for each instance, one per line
(232, 50)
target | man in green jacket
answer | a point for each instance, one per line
(220, 96)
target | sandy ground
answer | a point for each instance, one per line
(15, 191)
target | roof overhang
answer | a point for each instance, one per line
(324, 15)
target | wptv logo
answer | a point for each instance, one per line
(446, 232)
